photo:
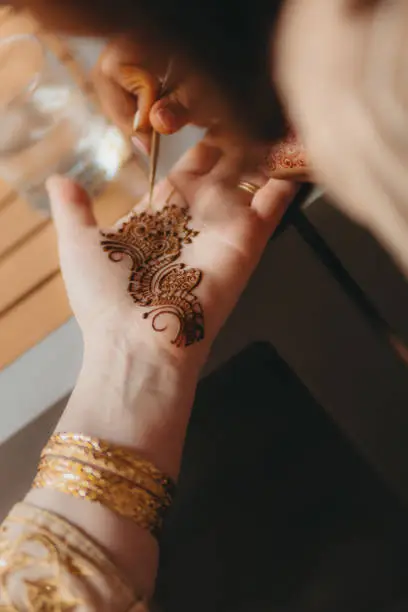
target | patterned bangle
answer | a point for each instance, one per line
(110, 490)
(115, 465)
(100, 452)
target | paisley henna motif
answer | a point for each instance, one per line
(153, 243)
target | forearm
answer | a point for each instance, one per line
(133, 399)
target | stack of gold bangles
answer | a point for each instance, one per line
(98, 471)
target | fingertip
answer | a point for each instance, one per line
(168, 116)
(272, 201)
(64, 190)
(285, 190)
(141, 142)
(69, 201)
(52, 185)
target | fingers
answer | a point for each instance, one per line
(199, 160)
(127, 91)
(249, 185)
(194, 167)
(118, 103)
(127, 84)
(226, 170)
(190, 100)
(144, 87)
(171, 113)
(272, 201)
(127, 81)
(71, 208)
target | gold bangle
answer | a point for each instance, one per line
(100, 486)
(118, 455)
(114, 465)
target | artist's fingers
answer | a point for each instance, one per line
(171, 113)
(143, 87)
(71, 209)
(141, 84)
(127, 91)
(119, 105)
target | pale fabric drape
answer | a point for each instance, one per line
(48, 565)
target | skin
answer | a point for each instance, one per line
(127, 80)
(340, 68)
(122, 97)
(136, 388)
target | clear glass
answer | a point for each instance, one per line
(48, 126)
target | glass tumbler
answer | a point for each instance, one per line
(47, 125)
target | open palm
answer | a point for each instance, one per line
(229, 233)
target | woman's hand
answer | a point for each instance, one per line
(128, 82)
(126, 361)
(127, 79)
(136, 388)
(233, 231)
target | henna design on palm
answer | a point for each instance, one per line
(153, 242)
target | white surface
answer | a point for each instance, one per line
(39, 379)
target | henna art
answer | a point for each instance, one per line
(286, 157)
(154, 242)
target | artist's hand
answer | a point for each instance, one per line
(127, 82)
(233, 231)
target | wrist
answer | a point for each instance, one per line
(135, 396)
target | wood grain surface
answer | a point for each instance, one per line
(33, 302)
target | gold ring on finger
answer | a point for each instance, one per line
(248, 187)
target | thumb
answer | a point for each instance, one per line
(71, 207)
(169, 114)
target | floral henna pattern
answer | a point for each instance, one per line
(153, 243)
(286, 157)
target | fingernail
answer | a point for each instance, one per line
(140, 145)
(136, 121)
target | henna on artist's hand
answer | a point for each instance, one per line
(287, 159)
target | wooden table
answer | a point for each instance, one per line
(33, 302)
